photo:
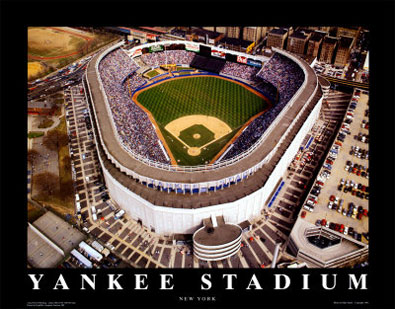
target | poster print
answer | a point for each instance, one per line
(304, 229)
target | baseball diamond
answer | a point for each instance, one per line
(218, 105)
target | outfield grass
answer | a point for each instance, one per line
(211, 96)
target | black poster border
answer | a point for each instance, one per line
(16, 286)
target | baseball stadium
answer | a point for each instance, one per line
(192, 137)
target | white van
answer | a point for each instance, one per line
(94, 217)
(93, 208)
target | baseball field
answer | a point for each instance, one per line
(49, 48)
(199, 115)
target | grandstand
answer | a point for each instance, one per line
(170, 199)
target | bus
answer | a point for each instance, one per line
(119, 214)
(78, 206)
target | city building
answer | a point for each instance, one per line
(328, 49)
(351, 32)
(343, 50)
(221, 29)
(314, 44)
(46, 107)
(277, 38)
(366, 63)
(253, 34)
(205, 36)
(324, 29)
(235, 44)
(297, 42)
(233, 32)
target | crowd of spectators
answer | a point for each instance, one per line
(279, 78)
(133, 125)
(284, 75)
(240, 70)
(168, 57)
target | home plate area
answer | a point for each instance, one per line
(197, 131)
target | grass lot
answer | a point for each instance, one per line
(61, 203)
(33, 212)
(35, 134)
(46, 123)
(46, 42)
(211, 96)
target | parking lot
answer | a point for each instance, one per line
(342, 199)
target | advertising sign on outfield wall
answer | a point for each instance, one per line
(155, 48)
(192, 47)
(254, 63)
(217, 53)
(241, 59)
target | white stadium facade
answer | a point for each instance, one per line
(176, 200)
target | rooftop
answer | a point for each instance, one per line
(204, 32)
(216, 236)
(233, 41)
(317, 36)
(330, 40)
(346, 42)
(298, 35)
(280, 31)
(41, 104)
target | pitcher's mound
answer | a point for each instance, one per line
(194, 151)
(196, 136)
